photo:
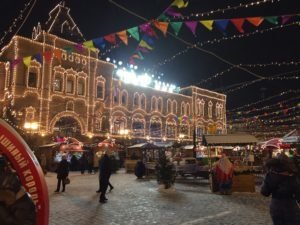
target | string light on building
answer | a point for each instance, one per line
(144, 80)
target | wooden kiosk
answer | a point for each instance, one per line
(241, 182)
(147, 152)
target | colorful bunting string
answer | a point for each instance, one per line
(148, 31)
(224, 38)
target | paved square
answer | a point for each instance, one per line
(138, 202)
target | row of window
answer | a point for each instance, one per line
(139, 101)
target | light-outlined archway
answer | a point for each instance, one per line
(72, 115)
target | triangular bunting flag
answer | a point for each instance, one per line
(57, 53)
(47, 55)
(145, 45)
(148, 39)
(207, 23)
(272, 19)
(162, 26)
(135, 56)
(192, 25)
(89, 44)
(15, 62)
(123, 36)
(69, 50)
(38, 57)
(222, 25)
(141, 55)
(180, 4)
(144, 50)
(285, 19)
(134, 32)
(111, 38)
(170, 11)
(99, 42)
(238, 23)
(147, 29)
(27, 60)
(256, 21)
(163, 17)
(79, 47)
(176, 26)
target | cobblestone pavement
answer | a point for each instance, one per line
(138, 202)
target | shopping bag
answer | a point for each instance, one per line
(67, 180)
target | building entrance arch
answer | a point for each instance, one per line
(67, 125)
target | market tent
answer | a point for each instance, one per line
(107, 144)
(229, 139)
(272, 143)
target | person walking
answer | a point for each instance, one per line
(282, 183)
(62, 173)
(99, 177)
(105, 172)
(223, 171)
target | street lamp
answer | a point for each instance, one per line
(31, 127)
(180, 137)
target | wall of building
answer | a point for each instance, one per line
(144, 112)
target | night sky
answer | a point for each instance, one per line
(97, 18)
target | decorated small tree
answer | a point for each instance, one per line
(165, 172)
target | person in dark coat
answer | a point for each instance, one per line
(105, 172)
(109, 184)
(284, 186)
(140, 169)
(62, 173)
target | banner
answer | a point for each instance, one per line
(27, 168)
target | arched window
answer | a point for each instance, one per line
(182, 108)
(201, 108)
(138, 126)
(159, 104)
(210, 105)
(171, 128)
(143, 101)
(58, 83)
(174, 106)
(116, 96)
(155, 127)
(136, 100)
(197, 108)
(81, 87)
(70, 85)
(33, 75)
(153, 103)
(100, 90)
(169, 106)
(187, 109)
(124, 98)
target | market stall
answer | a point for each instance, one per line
(147, 152)
(243, 178)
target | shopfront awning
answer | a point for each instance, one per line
(229, 139)
(145, 145)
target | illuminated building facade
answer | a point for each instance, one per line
(75, 92)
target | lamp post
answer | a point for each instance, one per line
(31, 128)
